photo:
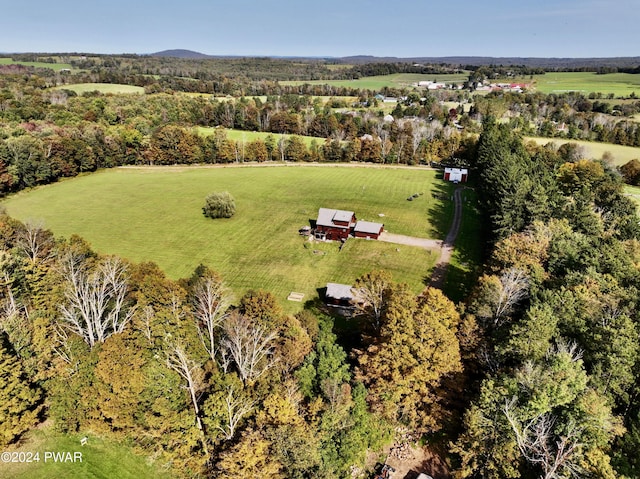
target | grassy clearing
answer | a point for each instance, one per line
(106, 88)
(52, 66)
(634, 194)
(455, 104)
(101, 459)
(397, 80)
(620, 84)
(239, 135)
(155, 214)
(468, 251)
(621, 154)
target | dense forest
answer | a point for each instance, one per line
(535, 374)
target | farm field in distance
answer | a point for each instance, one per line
(106, 88)
(53, 66)
(155, 214)
(594, 150)
(396, 80)
(239, 135)
(620, 84)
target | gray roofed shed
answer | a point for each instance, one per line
(339, 292)
(368, 227)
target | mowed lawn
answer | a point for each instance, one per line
(155, 214)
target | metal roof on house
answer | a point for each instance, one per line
(368, 227)
(327, 216)
(339, 291)
(343, 215)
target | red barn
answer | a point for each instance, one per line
(334, 224)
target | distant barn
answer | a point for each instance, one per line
(456, 175)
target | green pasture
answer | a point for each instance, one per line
(375, 83)
(155, 214)
(620, 84)
(106, 88)
(52, 66)
(593, 150)
(101, 459)
(323, 99)
(241, 135)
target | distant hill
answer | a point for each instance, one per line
(539, 62)
(180, 54)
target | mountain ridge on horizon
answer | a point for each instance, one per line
(451, 59)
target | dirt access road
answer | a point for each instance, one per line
(409, 240)
(440, 271)
(446, 246)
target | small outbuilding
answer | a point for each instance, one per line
(368, 229)
(456, 175)
(339, 294)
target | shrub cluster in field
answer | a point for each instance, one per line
(219, 205)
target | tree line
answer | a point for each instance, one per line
(554, 364)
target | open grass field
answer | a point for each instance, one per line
(155, 214)
(397, 80)
(52, 66)
(106, 88)
(239, 135)
(593, 150)
(101, 459)
(620, 84)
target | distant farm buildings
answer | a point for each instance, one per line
(340, 224)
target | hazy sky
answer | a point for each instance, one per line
(402, 28)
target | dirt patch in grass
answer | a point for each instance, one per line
(415, 459)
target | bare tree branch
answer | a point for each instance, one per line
(95, 301)
(555, 454)
(250, 347)
(237, 406)
(211, 304)
(515, 288)
(35, 242)
(178, 360)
